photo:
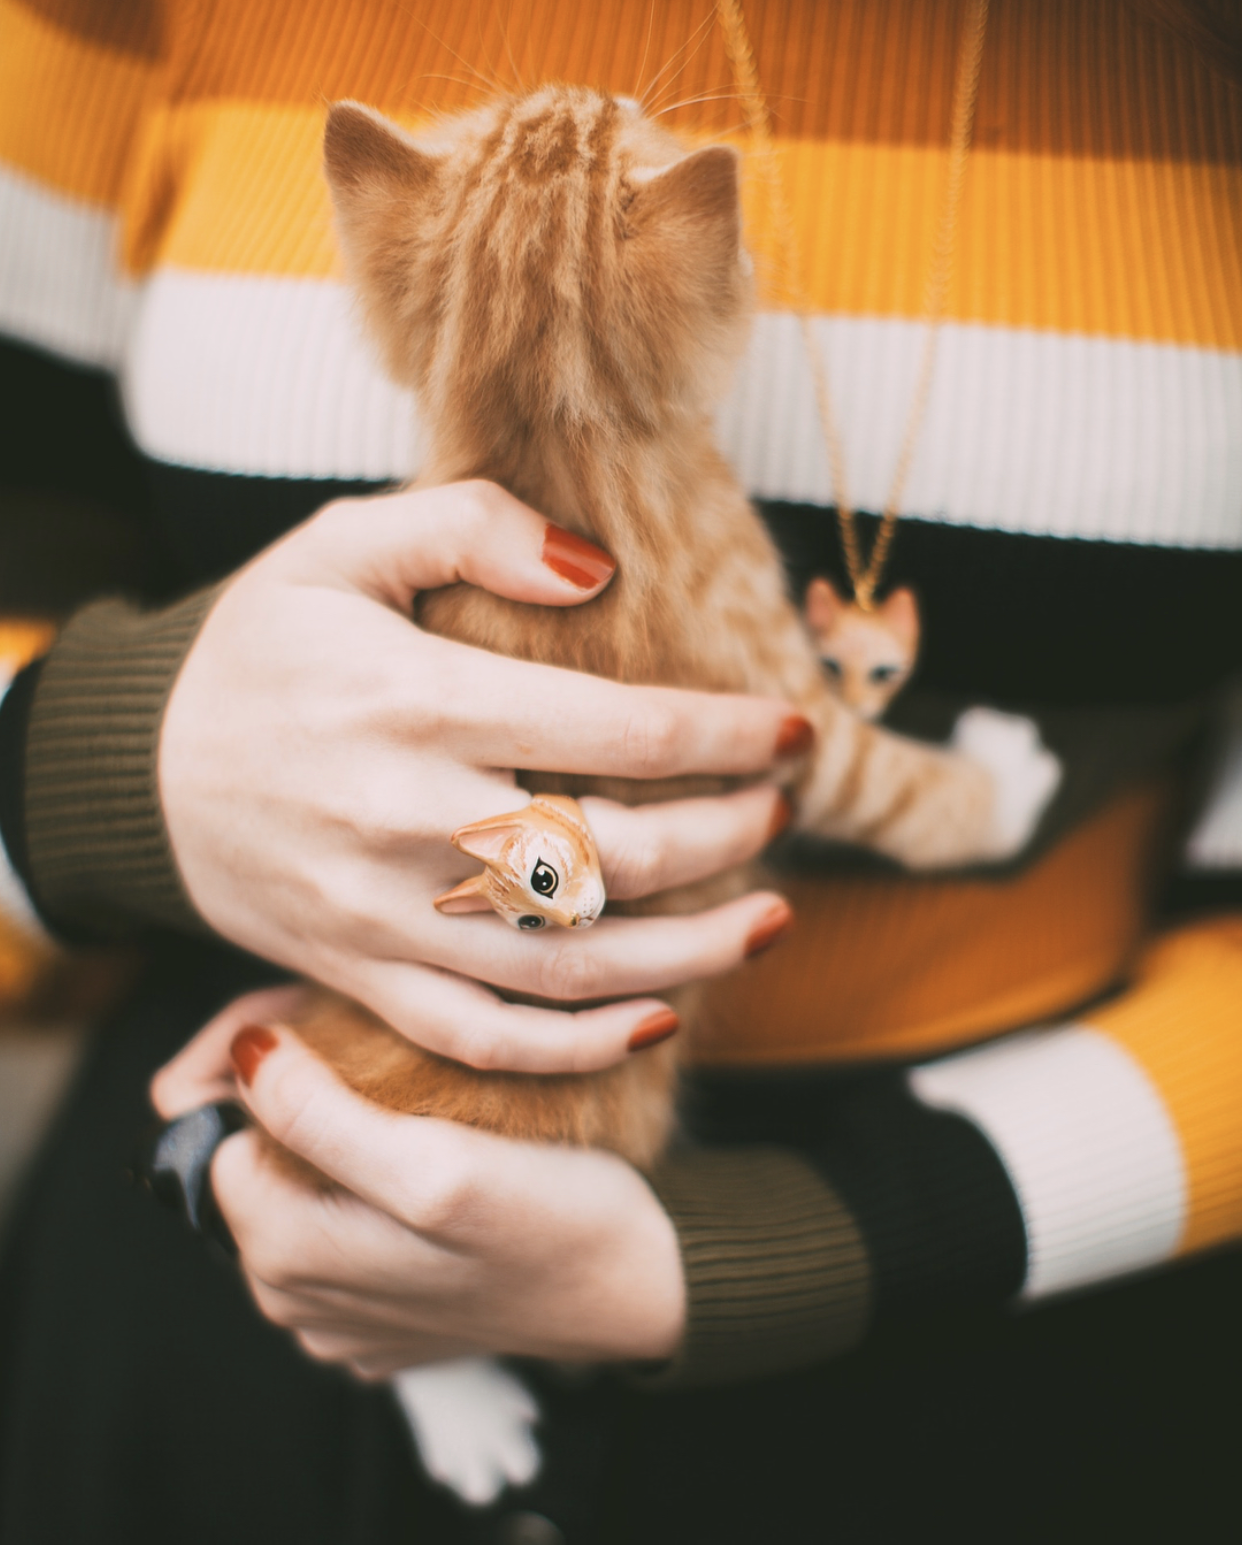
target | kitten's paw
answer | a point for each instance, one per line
(1025, 774)
(473, 1423)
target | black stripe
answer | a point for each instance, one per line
(1007, 618)
(1050, 620)
(213, 522)
(936, 1208)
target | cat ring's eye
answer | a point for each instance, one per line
(879, 674)
(530, 921)
(544, 879)
(833, 667)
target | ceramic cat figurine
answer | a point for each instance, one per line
(561, 283)
(868, 656)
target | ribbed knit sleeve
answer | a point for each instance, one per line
(777, 1275)
(98, 851)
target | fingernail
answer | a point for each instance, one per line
(795, 736)
(655, 1028)
(765, 934)
(249, 1048)
(781, 816)
(575, 559)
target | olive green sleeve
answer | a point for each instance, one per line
(98, 850)
(777, 1275)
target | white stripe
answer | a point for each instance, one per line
(1088, 1144)
(1025, 431)
(1216, 841)
(265, 376)
(1035, 432)
(59, 287)
(15, 904)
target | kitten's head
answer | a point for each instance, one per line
(868, 655)
(554, 257)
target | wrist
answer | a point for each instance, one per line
(97, 845)
(656, 1300)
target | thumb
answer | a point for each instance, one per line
(392, 546)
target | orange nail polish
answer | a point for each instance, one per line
(249, 1048)
(795, 736)
(655, 1028)
(765, 934)
(575, 559)
(781, 816)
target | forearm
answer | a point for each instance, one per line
(1036, 1164)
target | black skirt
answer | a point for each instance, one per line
(144, 1401)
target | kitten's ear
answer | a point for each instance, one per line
(823, 605)
(370, 163)
(699, 193)
(901, 612)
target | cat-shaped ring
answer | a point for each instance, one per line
(541, 867)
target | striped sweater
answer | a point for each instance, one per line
(975, 1088)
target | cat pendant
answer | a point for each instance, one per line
(868, 656)
(542, 866)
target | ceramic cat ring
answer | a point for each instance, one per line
(541, 866)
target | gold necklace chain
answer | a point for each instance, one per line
(865, 577)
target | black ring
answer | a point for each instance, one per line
(175, 1165)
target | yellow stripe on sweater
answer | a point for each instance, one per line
(68, 105)
(1140, 250)
(1181, 1021)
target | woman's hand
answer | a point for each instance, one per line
(318, 748)
(444, 1241)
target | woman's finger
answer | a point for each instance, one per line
(493, 711)
(201, 1072)
(652, 848)
(401, 1176)
(393, 545)
(302, 1243)
(456, 1017)
(618, 956)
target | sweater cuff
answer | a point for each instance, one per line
(776, 1271)
(99, 857)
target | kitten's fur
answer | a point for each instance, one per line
(868, 656)
(563, 287)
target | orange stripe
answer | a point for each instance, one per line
(21, 641)
(68, 106)
(1059, 77)
(880, 966)
(1181, 1021)
(24, 960)
(1099, 200)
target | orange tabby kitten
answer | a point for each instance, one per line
(868, 655)
(562, 285)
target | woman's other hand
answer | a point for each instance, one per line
(318, 749)
(443, 1240)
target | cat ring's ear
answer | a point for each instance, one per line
(698, 196)
(486, 840)
(371, 164)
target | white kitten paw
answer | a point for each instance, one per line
(1025, 774)
(473, 1423)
